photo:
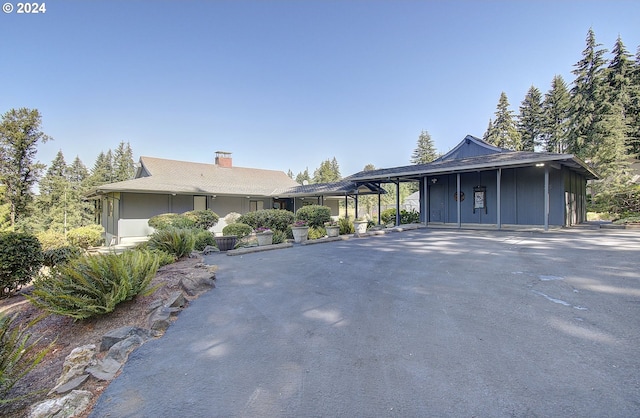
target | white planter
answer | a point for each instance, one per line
(360, 226)
(265, 238)
(300, 233)
(332, 231)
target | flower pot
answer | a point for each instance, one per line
(226, 243)
(265, 238)
(332, 231)
(300, 233)
(360, 226)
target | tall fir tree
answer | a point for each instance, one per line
(78, 175)
(503, 132)
(303, 176)
(123, 164)
(633, 140)
(530, 120)
(52, 200)
(328, 172)
(425, 150)
(555, 109)
(102, 171)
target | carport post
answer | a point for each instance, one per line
(379, 205)
(346, 206)
(546, 197)
(459, 200)
(498, 197)
(397, 202)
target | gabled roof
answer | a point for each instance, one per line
(157, 175)
(486, 160)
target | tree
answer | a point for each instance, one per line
(52, 201)
(530, 120)
(425, 151)
(123, 165)
(555, 108)
(633, 141)
(102, 171)
(503, 132)
(290, 174)
(303, 176)
(82, 210)
(328, 172)
(20, 133)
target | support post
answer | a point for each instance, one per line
(459, 201)
(356, 202)
(397, 202)
(498, 198)
(546, 197)
(426, 201)
(379, 205)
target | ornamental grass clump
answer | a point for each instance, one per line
(18, 355)
(177, 242)
(93, 285)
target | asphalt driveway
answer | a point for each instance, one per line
(413, 324)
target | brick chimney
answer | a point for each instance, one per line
(223, 159)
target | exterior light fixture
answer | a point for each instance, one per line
(540, 165)
(434, 180)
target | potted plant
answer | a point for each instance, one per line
(264, 236)
(360, 226)
(332, 228)
(300, 230)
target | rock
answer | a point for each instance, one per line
(210, 249)
(116, 335)
(120, 351)
(175, 300)
(72, 384)
(105, 369)
(66, 407)
(159, 319)
(195, 285)
(74, 365)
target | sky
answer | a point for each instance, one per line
(286, 85)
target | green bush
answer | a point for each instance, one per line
(202, 219)
(274, 219)
(171, 220)
(315, 215)
(20, 259)
(202, 239)
(163, 257)
(86, 236)
(239, 229)
(388, 216)
(51, 239)
(55, 256)
(18, 356)
(316, 232)
(279, 237)
(93, 285)
(174, 241)
(346, 226)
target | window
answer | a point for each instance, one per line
(199, 202)
(255, 205)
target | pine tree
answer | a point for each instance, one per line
(425, 151)
(328, 172)
(102, 171)
(53, 198)
(20, 133)
(555, 115)
(633, 141)
(290, 174)
(530, 120)
(303, 176)
(123, 164)
(82, 210)
(503, 132)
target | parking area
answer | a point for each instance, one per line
(418, 323)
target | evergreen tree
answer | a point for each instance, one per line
(328, 172)
(489, 132)
(587, 99)
(425, 151)
(633, 140)
(82, 210)
(303, 176)
(102, 171)
(53, 198)
(530, 121)
(290, 174)
(555, 115)
(20, 133)
(123, 164)
(503, 132)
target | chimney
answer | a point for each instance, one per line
(223, 159)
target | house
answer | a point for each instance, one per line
(479, 184)
(170, 186)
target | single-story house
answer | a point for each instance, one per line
(478, 183)
(170, 186)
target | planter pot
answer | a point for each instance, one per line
(332, 231)
(226, 243)
(265, 238)
(300, 233)
(360, 226)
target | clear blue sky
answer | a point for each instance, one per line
(288, 84)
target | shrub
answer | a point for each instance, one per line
(86, 236)
(279, 237)
(163, 258)
(315, 215)
(93, 285)
(55, 256)
(346, 226)
(52, 239)
(274, 219)
(174, 241)
(202, 239)
(239, 229)
(20, 260)
(231, 217)
(18, 356)
(202, 219)
(171, 220)
(388, 216)
(316, 232)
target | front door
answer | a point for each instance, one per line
(436, 203)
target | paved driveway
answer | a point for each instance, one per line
(413, 324)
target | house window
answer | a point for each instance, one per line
(255, 205)
(199, 202)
